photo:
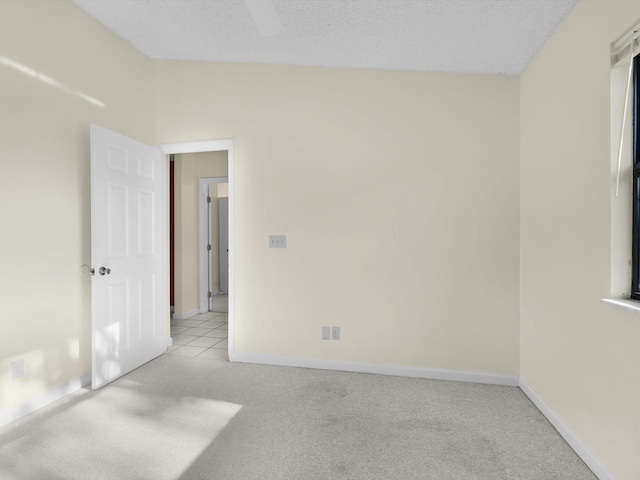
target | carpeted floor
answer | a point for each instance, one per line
(191, 418)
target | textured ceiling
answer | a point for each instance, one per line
(461, 36)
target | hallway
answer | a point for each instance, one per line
(204, 335)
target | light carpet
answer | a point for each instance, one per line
(192, 418)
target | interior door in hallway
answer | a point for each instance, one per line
(223, 243)
(128, 255)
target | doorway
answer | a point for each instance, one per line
(203, 307)
(214, 244)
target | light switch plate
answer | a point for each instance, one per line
(277, 241)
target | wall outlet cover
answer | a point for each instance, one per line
(335, 333)
(326, 335)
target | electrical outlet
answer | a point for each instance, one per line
(277, 241)
(335, 333)
(17, 369)
(326, 335)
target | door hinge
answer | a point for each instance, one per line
(209, 295)
(208, 199)
(209, 247)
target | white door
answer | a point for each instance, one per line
(223, 243)
(128, 253)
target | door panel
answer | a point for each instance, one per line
(146, 223)
(130, 315)
(223, 243)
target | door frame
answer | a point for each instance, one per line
(204, 234)
(214, 146)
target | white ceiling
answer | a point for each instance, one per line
(460, 36)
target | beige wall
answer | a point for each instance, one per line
(423, 272)
(189, 168)
(51, 54)
(222, 190)
(580, 355)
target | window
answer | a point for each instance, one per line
(625, 167)
(635, 240)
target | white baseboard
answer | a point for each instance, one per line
(184, 316)
(416, 372)
(30, 406)
(596, 466)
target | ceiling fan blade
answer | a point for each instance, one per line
(266, 17)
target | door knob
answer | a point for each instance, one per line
(104, 271)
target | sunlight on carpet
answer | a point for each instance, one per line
(140, 435)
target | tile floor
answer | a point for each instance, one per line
(204, 335)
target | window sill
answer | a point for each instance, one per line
(633, 305)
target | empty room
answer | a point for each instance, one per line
(429, 260)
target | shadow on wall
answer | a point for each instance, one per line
(43, 370)
(61, 364)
